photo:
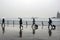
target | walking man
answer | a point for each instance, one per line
(49, 23)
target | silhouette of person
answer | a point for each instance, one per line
(13, 23)
(3, 22)
(20, 22)
(49, 22)
(50, 32)
(26, 24)
(20, 33)
(42, 24)
(33, 22)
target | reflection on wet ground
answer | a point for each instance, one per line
(15, 33)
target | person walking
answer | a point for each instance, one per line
(49, 22)
(20, 23)
(3, 22)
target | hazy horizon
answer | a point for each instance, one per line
(29, 8)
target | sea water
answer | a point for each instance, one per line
(29, 21)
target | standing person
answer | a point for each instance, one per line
(3, 22)
(26, 24)
(49, 23)
(13, 23)
(20, 22)
(3, 25)
(42, 24)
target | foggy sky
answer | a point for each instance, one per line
(29, 8)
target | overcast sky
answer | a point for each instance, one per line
(29, 8)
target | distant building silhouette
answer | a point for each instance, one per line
(58, 15)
